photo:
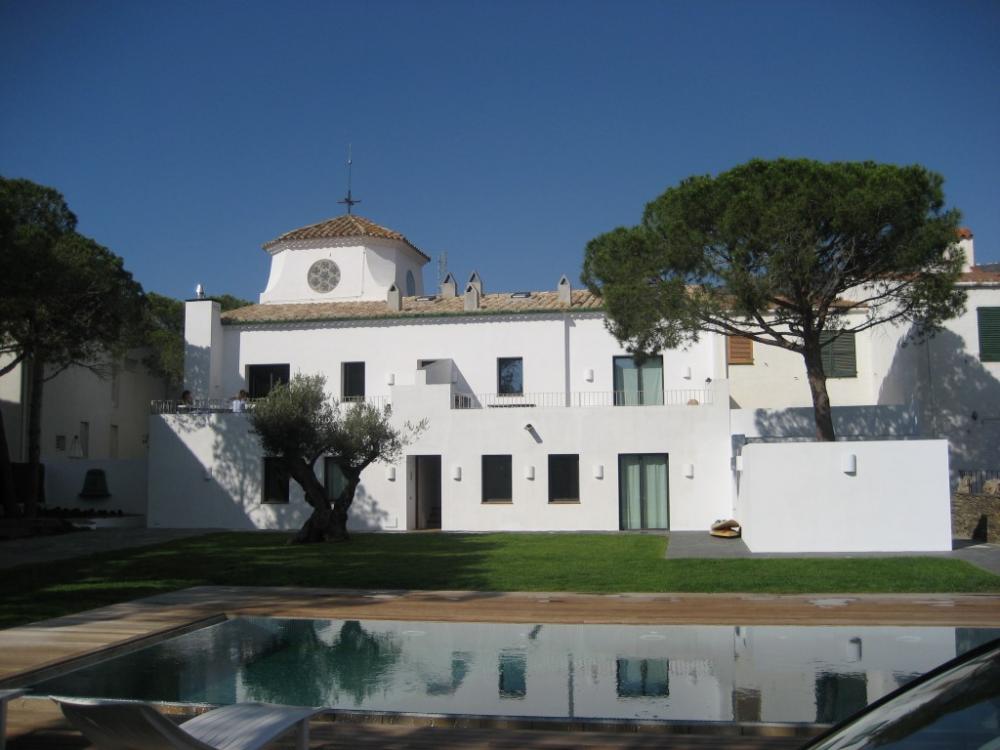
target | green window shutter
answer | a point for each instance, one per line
(989, 333)
(839, 356)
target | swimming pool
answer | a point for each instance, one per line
(758, 674)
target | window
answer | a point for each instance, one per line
(564, 478)
(739, 350)
(839, 357)
(352, 380)
(510, 376)
(262, 378)
(411, 284)
(275, 484)
(638, 384)
(513, 668)
(333, 478)
(497, 484)
(642, 678)
(989, 333)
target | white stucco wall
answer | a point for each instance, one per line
(559, 352)
(367, 269)
(126, 483)
(777, 379)
(797, 497)
(205, 470)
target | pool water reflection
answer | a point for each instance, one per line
(677, 673)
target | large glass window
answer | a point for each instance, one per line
(643, 491)
(262, 378)
(839, 355)
(275, 484)
(353, 381)
(497, 483)
(510, 376)
(988, 319)
(564, 478)
(638, 383)
(333, 478)
(642, 678)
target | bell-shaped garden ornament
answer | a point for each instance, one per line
(95, 485)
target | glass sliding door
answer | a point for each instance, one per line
(643, 491)
(638, 384)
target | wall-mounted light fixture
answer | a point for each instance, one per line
(686, 373)
(598, 471)
(689, 471)
(529, 472)
(529, 427)
(390, 473)
(739, 462)
(588, 375)
(390, 378)
(456, 473)
(849, 463)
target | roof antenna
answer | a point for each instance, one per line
(349, 201)
(442, 266)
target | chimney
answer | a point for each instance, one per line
(448, 287)
(393, 299)
(471, 298)
(965, 246)
(565, 291)
(475, 281)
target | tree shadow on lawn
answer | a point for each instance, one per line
(263, 559)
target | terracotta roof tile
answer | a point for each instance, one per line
(412, 307)
(964, 233)
(977, 275)
(348, 225)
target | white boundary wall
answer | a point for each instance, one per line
(205, 469)
(798, 497)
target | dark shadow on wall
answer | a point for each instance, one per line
(953, 395)
(849, 422)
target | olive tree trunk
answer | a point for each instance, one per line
(328, 521)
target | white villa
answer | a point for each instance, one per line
(539, 420)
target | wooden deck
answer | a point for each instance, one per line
(36, 723)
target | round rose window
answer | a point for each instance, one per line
(323, 276)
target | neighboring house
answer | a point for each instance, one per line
(89, 420)
(537, 417)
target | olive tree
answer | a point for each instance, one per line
(298, 423)
(787, 253)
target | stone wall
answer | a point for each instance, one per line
(975, 517)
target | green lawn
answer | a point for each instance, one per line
(486, 562)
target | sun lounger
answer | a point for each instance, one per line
(120, 725)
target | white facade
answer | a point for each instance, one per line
(89, 420)
(439, 359)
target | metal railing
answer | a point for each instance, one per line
(557, 399)
(233, 406)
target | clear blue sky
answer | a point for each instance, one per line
(186, 134)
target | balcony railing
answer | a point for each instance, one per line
(231, 406)
(681, 397)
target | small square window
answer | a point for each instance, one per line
(262, 378)
(564, 478)
(497, 482)
(275, 484)
(510, 376)
(353, 381)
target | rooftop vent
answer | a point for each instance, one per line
(476, 281)
(393, 299)
(520, 295)
(448, 287)
(426, 298)
(471, 298)
(565, 291)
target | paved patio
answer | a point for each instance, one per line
(699, 544)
